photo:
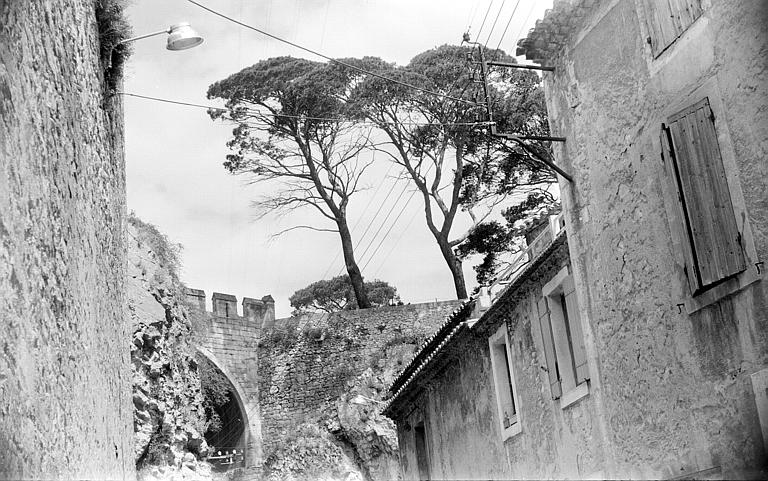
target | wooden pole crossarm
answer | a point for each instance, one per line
(517, 65)
(516, 138)
(546, 161)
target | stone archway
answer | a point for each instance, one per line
(250, 439)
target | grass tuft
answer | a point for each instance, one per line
(113, 28)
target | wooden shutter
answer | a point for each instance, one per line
(668, 19)
(577, 334)
(549, 349)
(714, 251)
(691, 269)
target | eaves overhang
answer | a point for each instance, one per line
(432, 352)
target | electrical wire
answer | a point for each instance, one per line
(381, 226)
(394, 244)
(505, 29)
(530, 11)
(365, 209)
(388, 231)
(493, 27)
(484, 19)
(302, 117)
(330, 59)
(472, 14)
(405, 206)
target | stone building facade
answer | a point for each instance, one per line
(664, 106)
(65, 380)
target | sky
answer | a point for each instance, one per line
(174, 153)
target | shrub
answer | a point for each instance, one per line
(113, 28)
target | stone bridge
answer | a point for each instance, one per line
(290, 369)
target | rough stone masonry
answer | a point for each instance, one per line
(65, 409)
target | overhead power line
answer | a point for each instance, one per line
(365, 209)
(512, 15)
(394, 244)
(302, 117)
(484, 19)
(493, 27)
(378, 246)
(330, 59)
(520, 32)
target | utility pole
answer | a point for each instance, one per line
(515, 138)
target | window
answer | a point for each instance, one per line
(504, 382)
(422, 458)
(667, 20)
(712, 243)
(563, 340)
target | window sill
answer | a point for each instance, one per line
(715, 294)
(512, 431)
(569, 398)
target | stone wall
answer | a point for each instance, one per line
(305, 363)
(230, 342)
(673, 371)
(65, 406)
(455, 399)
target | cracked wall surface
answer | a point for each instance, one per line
(674, 370)
(65, 406)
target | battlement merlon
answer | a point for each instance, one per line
(260, 311)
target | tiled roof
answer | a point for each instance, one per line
(429, 348)
(454, 325)
(534, 263)
(553, 31)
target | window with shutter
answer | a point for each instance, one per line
(563, 339)
(548, 343)
(712, 246)
(504, 383)
(668, 19)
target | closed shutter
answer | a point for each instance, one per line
(668, 19)
(549, 349)
(714, 251)
(691, 269)
(577, 335)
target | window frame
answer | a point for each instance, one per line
(566, 326)
(503, 377)
(695, 261)
(657, 30)
(694, 302)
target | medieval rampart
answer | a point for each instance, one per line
(65, 386)
(289, 370)
(306, 362)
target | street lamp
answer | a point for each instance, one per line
(180, 37)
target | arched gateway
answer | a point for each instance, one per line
(230, 342)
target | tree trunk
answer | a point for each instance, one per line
(454, 264)
(352, 269)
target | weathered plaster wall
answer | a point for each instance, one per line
(306, 363)
(458, 403)
(673, 381)
(65, 405)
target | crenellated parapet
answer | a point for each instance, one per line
(229, 339)
(259, 311)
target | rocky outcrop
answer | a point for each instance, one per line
(349, 439)
(169, 417)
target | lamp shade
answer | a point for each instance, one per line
(182, 37)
